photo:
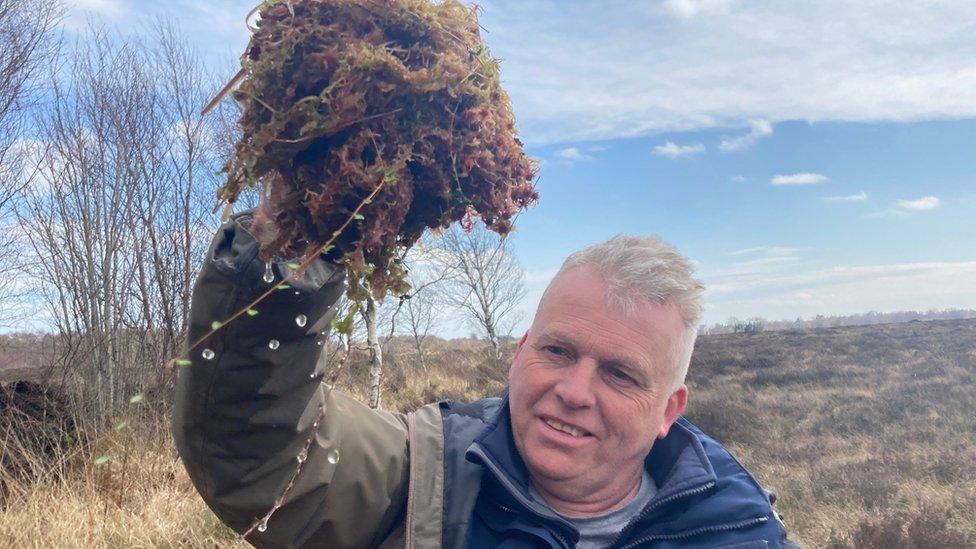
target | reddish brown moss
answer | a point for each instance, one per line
(342, 96)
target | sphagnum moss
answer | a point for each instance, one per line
(340, 97)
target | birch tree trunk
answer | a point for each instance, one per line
(375, 354)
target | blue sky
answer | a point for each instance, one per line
(810, 157)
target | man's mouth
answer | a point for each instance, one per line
(568, 429)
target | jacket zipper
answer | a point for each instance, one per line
(555, 534)
(686, 493)
(697, 531)
(520, 498)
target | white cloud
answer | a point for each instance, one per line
(215, 28)
(920, 205)
(759, 128)
(859, 61)
(756, 259)
(30, 158)
(573, 154)
(634, 70)
(886, 214)
(105, 7)
(803, 178)
(688, 9)
(905, 208)
(765, 264)
(840, 290)
(746, 251)
(737, 178)
(671, 150)
(766, 250)
(80, 12)
(859, 197)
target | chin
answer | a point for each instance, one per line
(551, 464)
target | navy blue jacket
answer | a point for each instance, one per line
(704, 498)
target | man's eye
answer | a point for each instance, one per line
(558, 351)
(621, 376)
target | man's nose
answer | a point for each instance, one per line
(576, 388)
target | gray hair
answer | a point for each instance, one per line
(647, 269)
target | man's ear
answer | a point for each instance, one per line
(675, 407)
(518, 350)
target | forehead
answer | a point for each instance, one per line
(575, 307)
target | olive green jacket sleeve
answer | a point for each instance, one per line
(248, 402)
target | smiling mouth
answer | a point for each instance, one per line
(568, 429)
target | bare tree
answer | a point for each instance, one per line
(486, 281)
(79, 223)
(419, 313)
(380, 316)
(122, 218)
(172, 220)
(420, 316)
(27, 44)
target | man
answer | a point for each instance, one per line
(586, 448)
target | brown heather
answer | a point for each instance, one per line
(866, 434)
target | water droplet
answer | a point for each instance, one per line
(296, 292)
(312, 375)
(333, 456)
(268, 273)
(301, 320)
(302, 456)
(274, 344)
(208, 354)
(319, 343)
(263, 527)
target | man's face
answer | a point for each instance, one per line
(600, 374)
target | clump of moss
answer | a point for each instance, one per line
(341, 97)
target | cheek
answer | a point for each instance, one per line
(523, 392)
(532, 378)
(635, 419)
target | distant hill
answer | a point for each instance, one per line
(758, 324)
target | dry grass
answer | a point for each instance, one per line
(459, 370)
(867, 435)
(142, 498)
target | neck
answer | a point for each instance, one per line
(570, 503)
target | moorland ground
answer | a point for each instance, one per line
(866, 434)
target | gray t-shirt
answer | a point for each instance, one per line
(600, 531)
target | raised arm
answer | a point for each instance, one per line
(248, 402)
